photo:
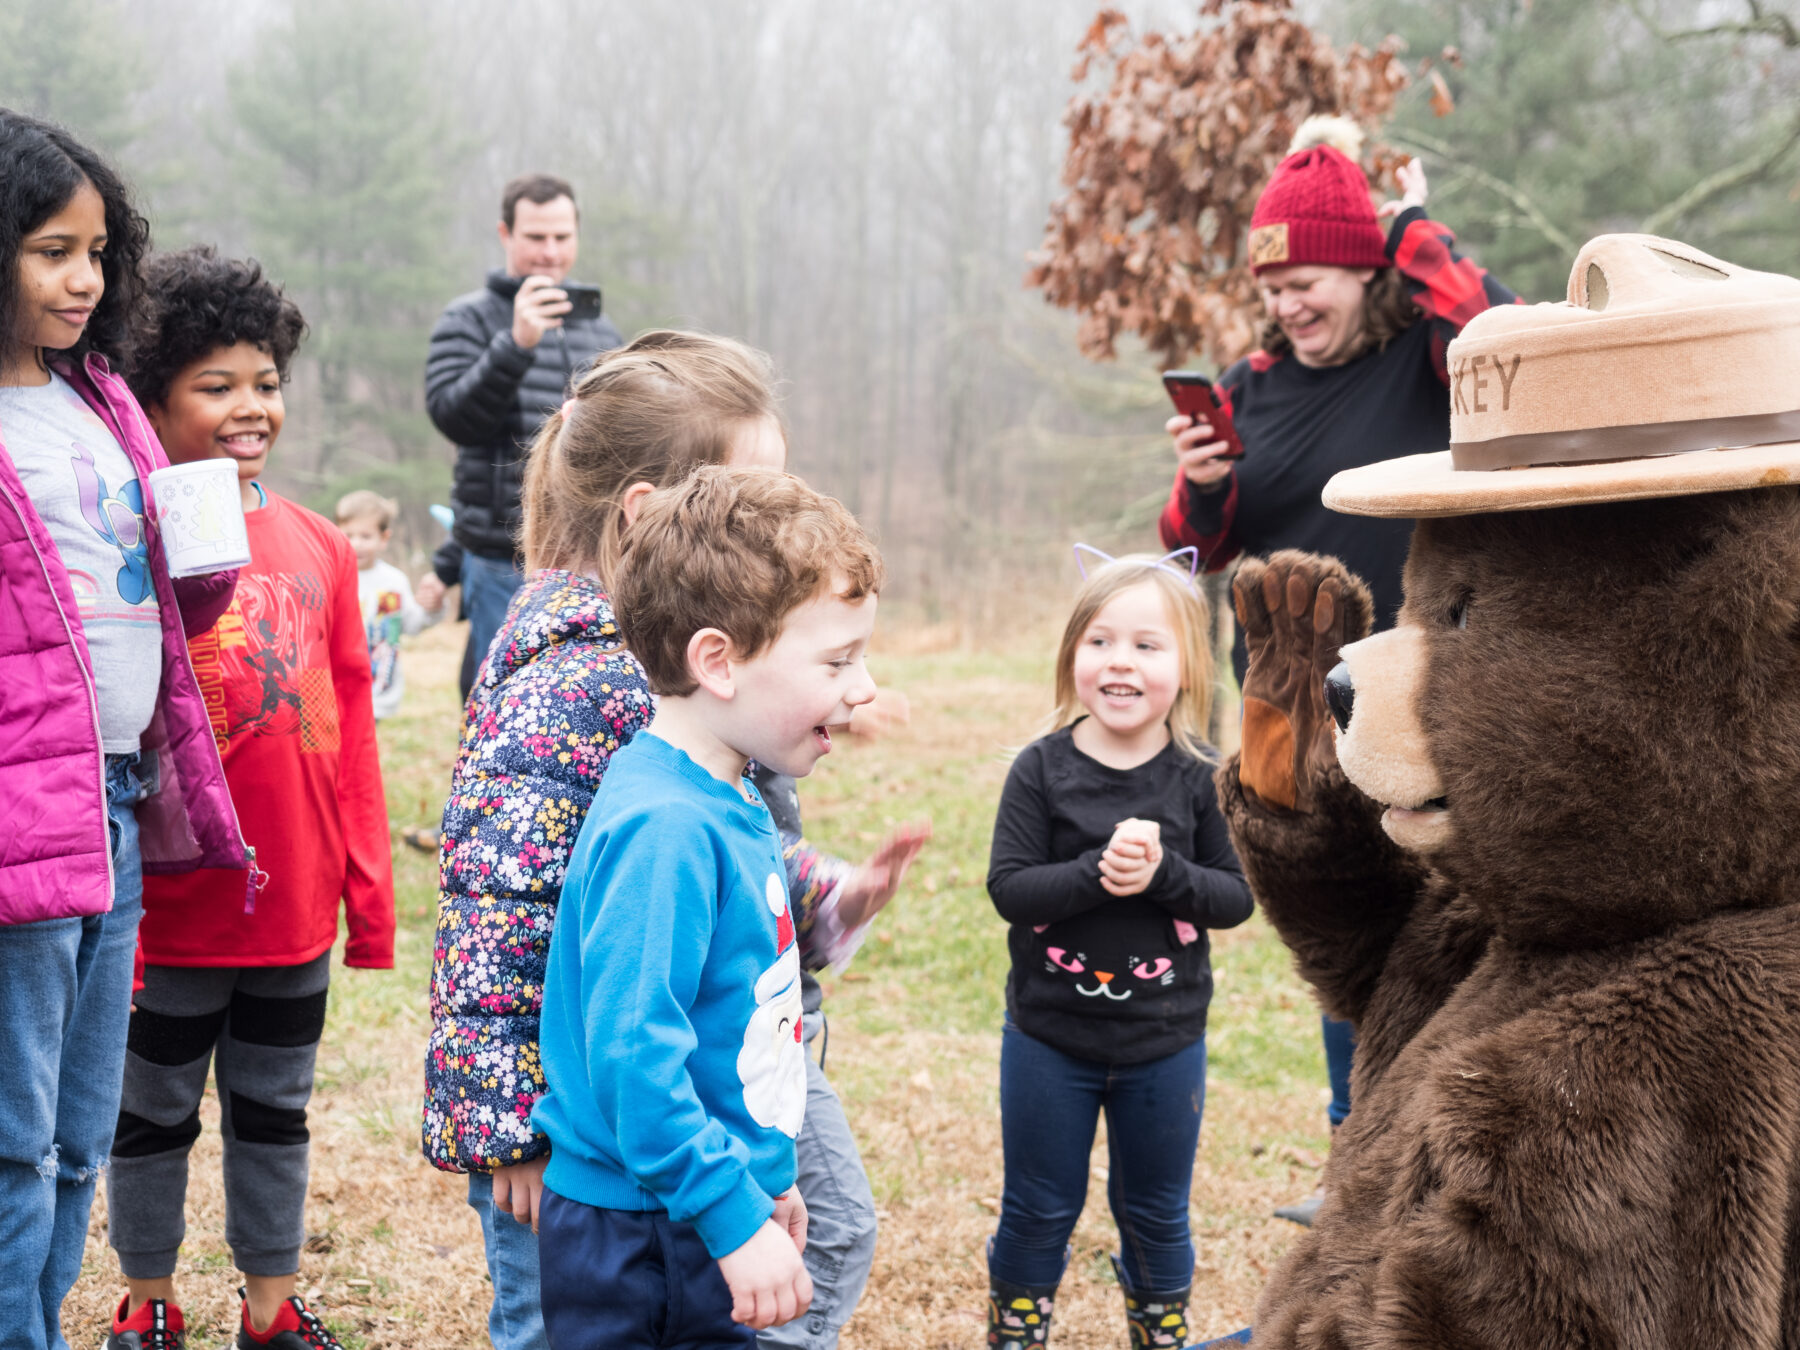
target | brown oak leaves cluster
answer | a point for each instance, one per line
(1164, 167)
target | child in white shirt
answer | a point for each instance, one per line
(388, 607)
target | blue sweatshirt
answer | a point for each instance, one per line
(671, 1021)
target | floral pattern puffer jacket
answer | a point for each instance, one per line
(558, 695)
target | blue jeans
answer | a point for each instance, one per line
(1340, 1054)
(516, 1321)
(65, 1003)
(488, 585)
(1049, 1105)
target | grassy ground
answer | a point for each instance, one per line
(394, 1254)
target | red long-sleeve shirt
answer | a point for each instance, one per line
(285, 676)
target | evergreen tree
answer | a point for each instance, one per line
(65, 63)
(341, 162)
(1575, 117)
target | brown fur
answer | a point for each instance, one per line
(1577, 1087)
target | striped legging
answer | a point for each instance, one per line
(259, 1028)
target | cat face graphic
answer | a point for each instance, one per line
(1123, 975)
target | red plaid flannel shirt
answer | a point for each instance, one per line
(1449, 290)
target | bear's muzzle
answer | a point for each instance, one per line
(1374, 695)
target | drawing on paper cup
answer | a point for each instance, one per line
(200, 513)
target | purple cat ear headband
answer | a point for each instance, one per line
(1190, 555)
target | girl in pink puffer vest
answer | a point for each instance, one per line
(107, 761)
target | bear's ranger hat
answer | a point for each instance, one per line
(1666, 373)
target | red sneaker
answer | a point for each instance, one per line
(155, 1326)
(296, 1327)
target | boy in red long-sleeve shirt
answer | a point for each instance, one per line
(236, 962)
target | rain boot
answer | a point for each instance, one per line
(1156, 1321)
(1020, 1314)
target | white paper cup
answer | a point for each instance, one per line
(200, 514)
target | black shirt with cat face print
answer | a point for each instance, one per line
(1120, 979)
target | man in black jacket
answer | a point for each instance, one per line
(501, 361)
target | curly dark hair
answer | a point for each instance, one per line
(198, 302)
(41, 168)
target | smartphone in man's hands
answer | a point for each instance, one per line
(584, 302)
(1192, 393)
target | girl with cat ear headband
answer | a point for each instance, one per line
(1110, 859)
(1189, 555)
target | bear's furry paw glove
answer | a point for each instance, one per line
(1296, 610)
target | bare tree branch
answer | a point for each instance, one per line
(1747, 171)
(1530, 209)
(1762, 23)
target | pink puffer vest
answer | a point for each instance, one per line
(55, 844)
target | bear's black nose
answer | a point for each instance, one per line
(1340, 695)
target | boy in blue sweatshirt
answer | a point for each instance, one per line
(671, 1029)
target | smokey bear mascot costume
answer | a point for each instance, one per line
(1550, 867)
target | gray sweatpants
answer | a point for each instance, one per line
(840, 1208)
(259, 1028)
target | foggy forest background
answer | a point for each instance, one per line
(854, 186)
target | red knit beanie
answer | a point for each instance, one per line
(1316, 210)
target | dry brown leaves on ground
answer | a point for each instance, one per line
(394, 1255)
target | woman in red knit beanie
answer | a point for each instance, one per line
(1315, 247)
(1351, 370)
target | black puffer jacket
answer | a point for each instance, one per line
(490, 395)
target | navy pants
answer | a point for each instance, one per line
(1340, 1055)
(1050, 1104)
(616, 1279)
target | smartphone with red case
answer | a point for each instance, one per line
(1192, 394)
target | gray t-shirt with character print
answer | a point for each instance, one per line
(86, 491)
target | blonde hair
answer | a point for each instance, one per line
(363, 503)
(1191, 619)
(648, 412)
(737, 550)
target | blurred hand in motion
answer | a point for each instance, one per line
(867, 890)
(1414, 190)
